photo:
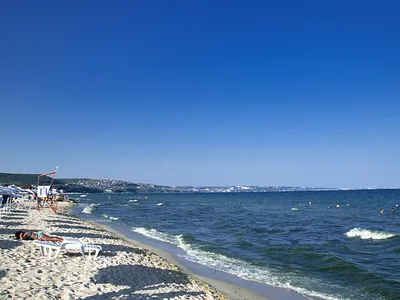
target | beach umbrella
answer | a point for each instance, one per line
(7, 192)
(29, 192)
(17, 190)
(14, 191)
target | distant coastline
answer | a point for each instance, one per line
(88, 185)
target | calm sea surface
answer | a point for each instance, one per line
(295, 240)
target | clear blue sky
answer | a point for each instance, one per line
(303, 93)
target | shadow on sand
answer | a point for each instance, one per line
(10, 244)
(141, 278)
(12, 218)
(19, 212)
(67, 222)
(84, 235)
(68, 226)
(115, 248)
(2, 273)
(9, 224)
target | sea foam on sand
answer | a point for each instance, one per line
(121, 271)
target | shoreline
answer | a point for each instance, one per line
(121, 270)
(231, 286)
(216, 286)
(228, 290)
(128, 267)
(124, 269)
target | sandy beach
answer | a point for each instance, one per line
(122, 270)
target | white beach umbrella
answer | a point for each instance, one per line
(17, 190)
(7, 192)
(29, 191)
(14, 190)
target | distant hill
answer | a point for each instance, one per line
(67, 184)
(87, 185)
(23, 179)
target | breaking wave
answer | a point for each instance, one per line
(369, 234)
(90, 208)
(110, 217)
(231, 265)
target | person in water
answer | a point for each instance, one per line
(26, 235)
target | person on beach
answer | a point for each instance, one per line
(4, 201)
(5, 197)
(26, 235)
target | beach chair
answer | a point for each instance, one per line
(7, 206)
(47, 248)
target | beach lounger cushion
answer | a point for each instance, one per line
(68, 244)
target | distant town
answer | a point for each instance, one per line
(87, 185)
(119, 186)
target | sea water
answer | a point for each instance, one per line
(325, 245)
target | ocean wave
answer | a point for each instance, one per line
(247, 271)
(244, 244)
(110, 217)
(369, 234)
(90, 208)
(232, 265)
(297, 229)
(262, 229)
(157, 235)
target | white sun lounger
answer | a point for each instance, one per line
(67, 244)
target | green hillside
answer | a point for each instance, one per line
(24, 179)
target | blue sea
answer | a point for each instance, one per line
(323, 245)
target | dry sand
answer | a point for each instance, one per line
(121, 271)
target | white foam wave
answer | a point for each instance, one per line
(157, 235)
(233, 266)
(247, 271)
(369, 234)
(110, 217)
(89, 209)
